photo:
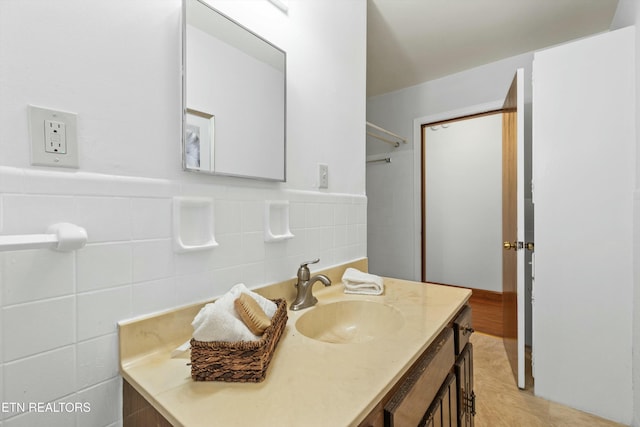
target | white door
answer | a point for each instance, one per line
(584, 178)
(513, 270)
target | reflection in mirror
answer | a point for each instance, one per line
(198, 140)
(238, 78)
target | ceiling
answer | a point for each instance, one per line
(413, 41)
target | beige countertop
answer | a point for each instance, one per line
(309, 382)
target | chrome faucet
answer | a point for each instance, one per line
(305, 296)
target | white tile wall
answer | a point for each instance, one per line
(44, 419)
(156, 295)
(41, 378)
(99, 311)
(104, 408)
(58, 311)
(32, 328)
(35, 274)
(97, 360)
(103, 266)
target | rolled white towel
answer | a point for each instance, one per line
(219, 321)
(358, 282)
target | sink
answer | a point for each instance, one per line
(347, 322)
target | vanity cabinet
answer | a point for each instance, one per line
(420, 375)
(438, 389)
(137, 411)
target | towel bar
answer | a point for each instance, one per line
(63, 237)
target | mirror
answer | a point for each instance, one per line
(233, 98)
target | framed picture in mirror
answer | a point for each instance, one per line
(199, 140)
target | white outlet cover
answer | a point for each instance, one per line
(39, 154)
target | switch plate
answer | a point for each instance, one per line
(323, 175)
(53, 137)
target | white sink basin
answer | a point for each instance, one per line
(347, 322)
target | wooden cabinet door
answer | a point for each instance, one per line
(443, 411)
(465, 394)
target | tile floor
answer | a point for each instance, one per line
(500, 403)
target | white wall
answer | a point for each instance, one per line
(448, 97)
(628, 13)
(117, 64)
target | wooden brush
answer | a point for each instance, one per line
(252, 314)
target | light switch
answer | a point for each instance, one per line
(323, 175)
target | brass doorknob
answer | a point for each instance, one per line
(509, 245)
(529, 245)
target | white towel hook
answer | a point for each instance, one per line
(63, 237)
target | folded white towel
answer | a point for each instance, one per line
(358, 282)
(218, 321)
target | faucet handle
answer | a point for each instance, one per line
(315, 261)
(303, 271)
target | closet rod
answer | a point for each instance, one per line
(383, 130)
(382, 138)
(386, 160)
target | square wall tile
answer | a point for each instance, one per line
(36, 327)
(228, 216)
(41, 378)
(279, 269)
(252, 216)
(99, 312)
(102, 266)
(327, 216)
(156, 295)
(229, 253)
(151, 218)
(296, 247)
(105, 218)
(312, 214)
(341, 214)
(253, 275)
(27, 214)
(194, 262)
(11, 180)
(36, 274)
(152, 260)
(106, 404)
(225, 278)
(252, 247)
(361, 214)
(194, 288)
(43, 419)
(297, 215)
(97, 360)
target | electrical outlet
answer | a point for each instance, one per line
(53, 137)
(323, 176)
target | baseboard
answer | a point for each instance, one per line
(487, 310)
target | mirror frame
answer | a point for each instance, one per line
(184, 98)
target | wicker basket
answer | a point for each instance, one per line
(241, 361)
